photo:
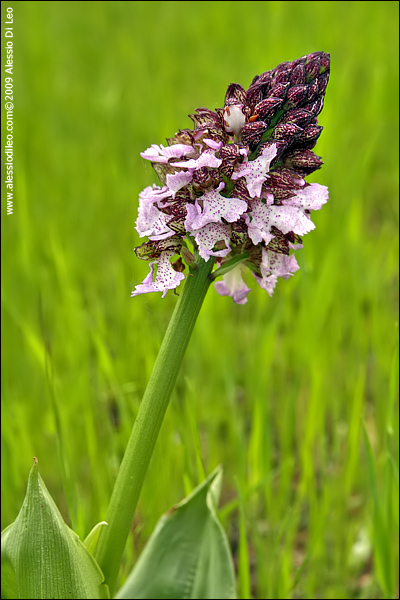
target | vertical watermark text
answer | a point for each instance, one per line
(9, 107)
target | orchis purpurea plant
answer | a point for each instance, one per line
(233, 195)
(233, 188)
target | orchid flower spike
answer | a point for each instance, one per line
(234, 187)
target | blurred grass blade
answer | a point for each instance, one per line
(383, 546)
(46, 557)
(244, 563)
(188, 554)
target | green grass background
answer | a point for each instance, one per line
(295, 395)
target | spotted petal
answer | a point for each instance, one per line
(166, 278)
(284, 218)
(255, 171)
(206, 159)
(150, 220)
(259, 227)
(311, 197)
(163, 154)
(215, 208)
(275, 265)
(208, 236)
(176, 181)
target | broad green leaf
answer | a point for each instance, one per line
(43, 557)
(90, 541)
(188, 553)
(8, 582)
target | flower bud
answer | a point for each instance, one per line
(279, 90)
(286, 132)
(256, 93)
(322, 82)
(311, 135)
(312, 68)
(298, 116)
(265, 78)
(296, 96)
(252, 133)
(312, 92)
(282, 75)
(298, 76)
(303, 161)
(235, 94)
(184, 136)
(267, 108)
(316, 106)
(205, 118)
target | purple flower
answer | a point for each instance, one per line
(255, 171)
(213, 240)
(214, 207)
(232, 284)
(274, 265)
(162, 155)
(233, 187)
(166, 278)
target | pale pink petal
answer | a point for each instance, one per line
(208, 236)
(311, 197)
(259, 227)
(233, 285)
(267, 283)
(284, 218)
(206, 159)
(215, 208)
(289, 218)
(154, 154)
(162, 154)
(166, 278)
(274, 265)
(213, 144)
(176, 181)
(150, 220)
(178, 150)
(255, 171)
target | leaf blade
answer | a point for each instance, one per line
(188, 553)
(48, 559)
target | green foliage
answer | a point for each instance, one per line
(274, 390)
(43, 557)
(188, 554)
(92, 538)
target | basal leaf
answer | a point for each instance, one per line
(188, 555)
(47, 559)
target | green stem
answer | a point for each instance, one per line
(148, 422)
